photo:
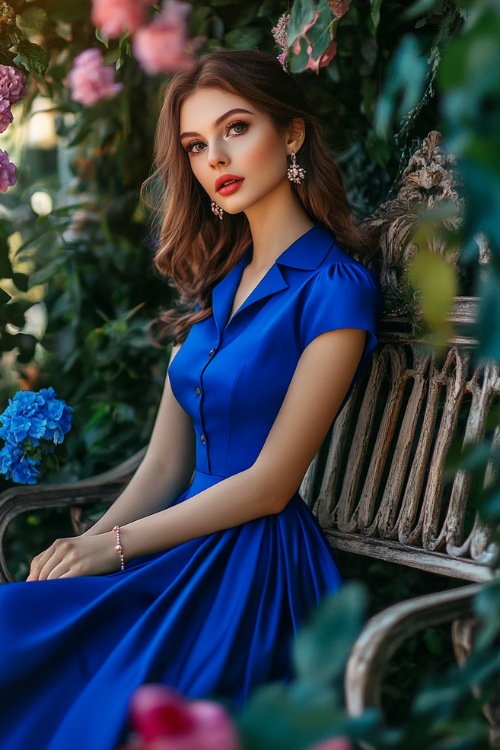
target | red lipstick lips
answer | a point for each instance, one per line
(227, 184)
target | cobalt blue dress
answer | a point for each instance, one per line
(214, 616)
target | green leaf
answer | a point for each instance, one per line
(322, 647)
(32, 57)
(374, 17)
(245, 38)
(21, 281)
(4, 297)
(15, 314)
(489, 317)
(62, 10)
(6, 269)
(101, 37)
(405, 84)
(47, 272)
(301, 15)
(436, 281)
(419, 8)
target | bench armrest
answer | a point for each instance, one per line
(99, 488)
(387, 630)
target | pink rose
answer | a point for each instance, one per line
(163, 46)
(6, 116)
(115, 17)
(340, 743)
(8, 172)
(90, 81)
(166, 721)
(12, 83)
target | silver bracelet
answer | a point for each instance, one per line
(118, 547)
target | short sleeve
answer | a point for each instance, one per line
(343, 295)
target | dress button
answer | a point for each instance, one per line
(211, 353)
(203, 438)
(197, 390)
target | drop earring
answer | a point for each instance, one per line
(294, 172)
(217, 210)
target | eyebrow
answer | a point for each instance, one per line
(220, 119)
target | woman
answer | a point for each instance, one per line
(220, 567)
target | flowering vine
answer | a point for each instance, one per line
(12, 88)
(160, 44)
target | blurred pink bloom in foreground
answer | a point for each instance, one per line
(5, 115)
(163, 46)
(12, 83)
(8, 172)
(114, 17)
(339, 743)
(90, 81)
(323, 60)
(164, 720)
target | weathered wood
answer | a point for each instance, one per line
(386, 631)
(383, 475)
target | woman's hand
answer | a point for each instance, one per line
(76, 556)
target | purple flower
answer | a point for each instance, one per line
(6, 116)
(8, 172)
(12, 83)
(90, 81)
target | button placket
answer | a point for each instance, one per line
(199, 392)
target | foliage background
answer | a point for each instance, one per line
(400, 70)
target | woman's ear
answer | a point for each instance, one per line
(295, 135)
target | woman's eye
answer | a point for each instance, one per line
(236, 128)
(195, 147)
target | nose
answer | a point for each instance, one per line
(217, 155)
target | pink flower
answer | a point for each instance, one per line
(163, 46)
(8, 172)
(114, 17)
(340, 7)
(90, 81)
(6, 116)
(323, 60)
(12, 83)
(166, 721)
(340, 743)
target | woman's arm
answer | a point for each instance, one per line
(323, 375)
(163, 474)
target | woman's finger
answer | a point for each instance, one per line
(38, 562)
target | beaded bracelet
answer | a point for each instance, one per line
(118, 547)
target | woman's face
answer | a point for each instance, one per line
(234, 149)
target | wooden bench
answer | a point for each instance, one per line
(377, 485)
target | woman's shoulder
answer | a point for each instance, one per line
(340, 293)
(338, 269)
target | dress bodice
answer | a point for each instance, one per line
(232, 377)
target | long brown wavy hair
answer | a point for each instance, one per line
(195, 249)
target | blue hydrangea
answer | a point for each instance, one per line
(17, 465)
(32, 423)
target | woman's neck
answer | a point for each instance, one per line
(274, 227)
